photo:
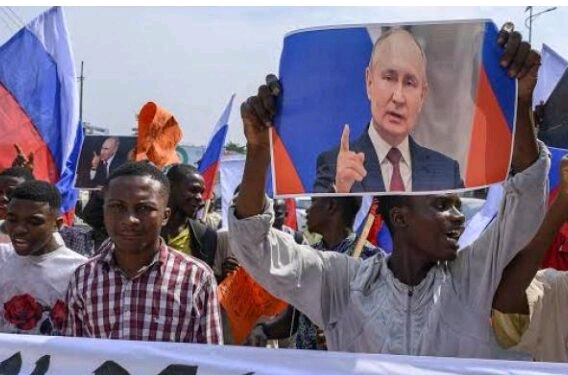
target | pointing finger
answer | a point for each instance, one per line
(18, 149)
(345, 138)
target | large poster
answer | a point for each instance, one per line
(409, 108)
(100, 156)
(39, 355)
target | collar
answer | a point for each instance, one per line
(343, 247)
(109, 161)
(106, 256)
(382, 147)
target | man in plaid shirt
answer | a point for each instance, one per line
(137, 288)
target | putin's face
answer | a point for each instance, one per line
(109, 148)
(396, 86)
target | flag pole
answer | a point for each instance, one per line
(206, 209)
(365, 232)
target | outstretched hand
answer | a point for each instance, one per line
(519, 59)
(350, 165)
(258, 111)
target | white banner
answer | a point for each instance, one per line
(38, 355)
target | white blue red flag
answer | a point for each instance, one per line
(209, 163)
(552, 68)
(38, 101)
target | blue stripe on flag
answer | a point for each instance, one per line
(30, 74)
(500, 82)
(213, 150)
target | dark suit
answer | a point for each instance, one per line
(203, 241)
(101, 174)
(431, 170)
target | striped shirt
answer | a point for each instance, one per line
(172, 299)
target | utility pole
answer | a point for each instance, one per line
(81, 79)
(530, 8)
(533, 16)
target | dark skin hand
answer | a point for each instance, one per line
(510, 296)
(21, 160)
(229, 265)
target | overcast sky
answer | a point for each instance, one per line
(190, 60)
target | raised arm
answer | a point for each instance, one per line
(510, 296)
(524, 204)
(257, 113)
(521, 63)
(315, 282)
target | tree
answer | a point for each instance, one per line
(235, 147)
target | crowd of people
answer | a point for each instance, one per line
(149, 266)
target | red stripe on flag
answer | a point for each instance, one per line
(209, 176)
(17, 128)
(285, 174)
(491, 139)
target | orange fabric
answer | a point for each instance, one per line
(488, 161)
(245, 301)
(158, 135)
(286, 177)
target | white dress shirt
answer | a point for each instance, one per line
(382, 148)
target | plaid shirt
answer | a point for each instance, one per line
(173, 299)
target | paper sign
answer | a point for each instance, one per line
(433, 91)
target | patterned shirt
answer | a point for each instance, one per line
(172, 299)
(307, 331)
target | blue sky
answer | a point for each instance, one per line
(190, 60)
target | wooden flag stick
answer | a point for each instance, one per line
(365, 232)
(206, 209)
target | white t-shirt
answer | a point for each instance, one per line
(33, 288)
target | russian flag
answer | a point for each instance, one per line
(38, 101)
(209, 163)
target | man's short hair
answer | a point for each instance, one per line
(140, 169)
(387, 203)
(38, 191)
(18, 172)
(388, 32)
(180, 171)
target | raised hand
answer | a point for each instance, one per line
(257, 113)
(519, 59)
(21, 160)
(349, 165)
(95, 161)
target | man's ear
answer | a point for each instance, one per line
(59, 223)
(166, 217)
(368, 82)
(398, 216)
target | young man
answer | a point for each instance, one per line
(9, 179)
(37, 268)
(183, 231)
(137, 288)
(426, 298)
(333, 218)
(531, 305)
